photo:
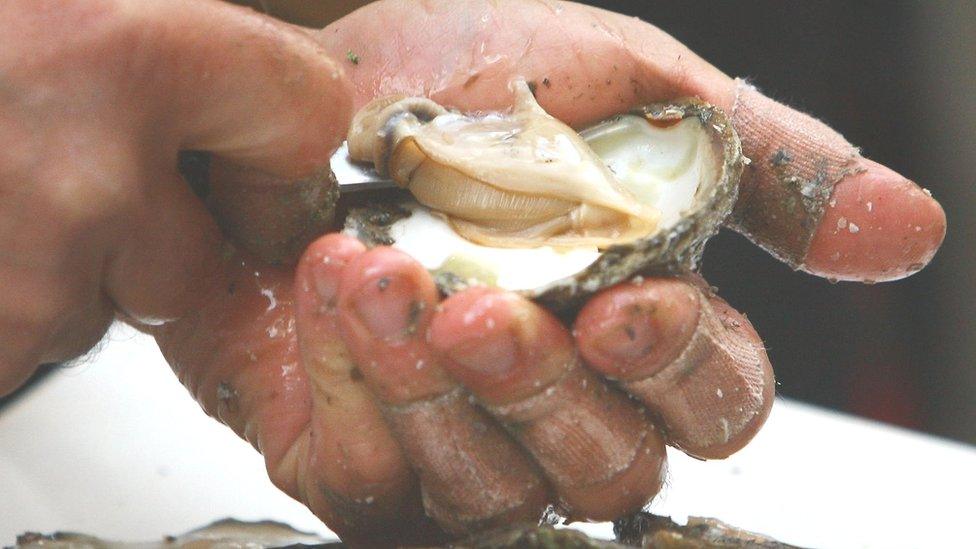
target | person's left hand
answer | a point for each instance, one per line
(375, 404)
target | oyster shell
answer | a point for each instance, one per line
(521, 201)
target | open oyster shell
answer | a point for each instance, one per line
(521, 201)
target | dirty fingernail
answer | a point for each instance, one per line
(630, 339)
(474, 333)
(634, 330)
(390, 306)
(324, 261)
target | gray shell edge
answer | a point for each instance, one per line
(675, 250)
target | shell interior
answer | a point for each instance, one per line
(662, 167)
(637, 193)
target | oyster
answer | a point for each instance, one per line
(522, 201)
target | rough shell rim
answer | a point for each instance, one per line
(675, 250)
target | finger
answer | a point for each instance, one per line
(363, 475)
(237, 354)
(271, 105)
(595, 446)
(690, 358)
(472, 475)
(272, 218)
(814, 202)
(250, 89)
(800, 170)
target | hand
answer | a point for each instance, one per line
(96, 98)
(232, 331)
(358, 444)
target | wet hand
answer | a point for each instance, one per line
(508, 409)
(377, 406)
(96, 100)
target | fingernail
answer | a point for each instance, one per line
(877, 226)
(631, 339)
(325, 279)
(475, 333)
(632, 332)
(326, 259)
(390, 306)
(489, 354)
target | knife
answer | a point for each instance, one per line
(355, 176)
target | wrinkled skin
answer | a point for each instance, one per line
(372, 403)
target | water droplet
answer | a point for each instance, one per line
(854, 229)
(272, 300)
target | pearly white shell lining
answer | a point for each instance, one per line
(661, 166)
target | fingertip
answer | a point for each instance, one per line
(498, 344)
(384, 305)
(272, 217)
(877, 226)
(331, 248)
(473, 332)
(388, 293)
(633, 330)
(321, 266)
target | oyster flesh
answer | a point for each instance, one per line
(522, 201)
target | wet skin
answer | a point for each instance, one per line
(372, 402)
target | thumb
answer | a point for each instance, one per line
(273, 108)
(264, 99)
(248, 88)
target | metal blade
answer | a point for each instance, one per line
(354, 176)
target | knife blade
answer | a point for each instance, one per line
(356, 176)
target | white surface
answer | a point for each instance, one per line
(513, 268)
(117, 448)
(666, 168)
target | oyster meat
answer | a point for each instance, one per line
(522, 201)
